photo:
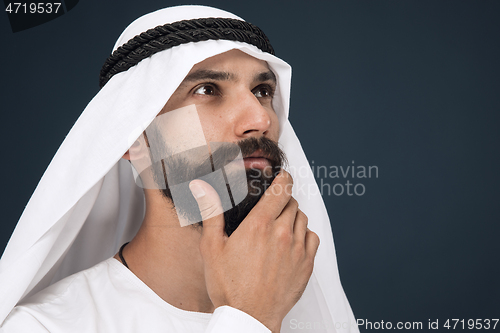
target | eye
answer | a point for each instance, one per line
(206, 89)
(263, 91)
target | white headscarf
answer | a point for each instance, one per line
(87, 203)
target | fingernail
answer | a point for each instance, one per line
(197, 190)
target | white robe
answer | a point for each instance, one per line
(110, 298)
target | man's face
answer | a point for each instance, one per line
(233, 95)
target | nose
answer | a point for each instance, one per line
(251, 117)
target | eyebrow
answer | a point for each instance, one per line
(266, 76)
(205, 74)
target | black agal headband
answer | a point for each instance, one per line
(169, 35)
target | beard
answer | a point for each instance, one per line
(239, 191)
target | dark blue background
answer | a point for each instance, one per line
(409, 86)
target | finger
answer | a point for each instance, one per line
(300, 226)
(289, 214)
(275, 198)
(312, 243)
(211, 211)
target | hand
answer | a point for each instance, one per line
(264, 267)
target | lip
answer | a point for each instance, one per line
(256, 163)
(256, 160)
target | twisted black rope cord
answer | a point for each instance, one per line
(166, 36)
(120, 254)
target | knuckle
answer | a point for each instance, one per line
(316, 239)
(287, 178)
(209, 211)
(256, 228)
(283, 234)
(313, 237)
(260, 221)
(302, 216)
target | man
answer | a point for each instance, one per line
(178, 278)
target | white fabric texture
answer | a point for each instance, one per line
(87, 203)
(110, 298)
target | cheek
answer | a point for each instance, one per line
(213, 126)
(275, 127)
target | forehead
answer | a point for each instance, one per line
(232, 61)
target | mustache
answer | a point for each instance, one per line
(223, 153)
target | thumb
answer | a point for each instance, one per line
(210, 209)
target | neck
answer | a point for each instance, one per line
(166, 257)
